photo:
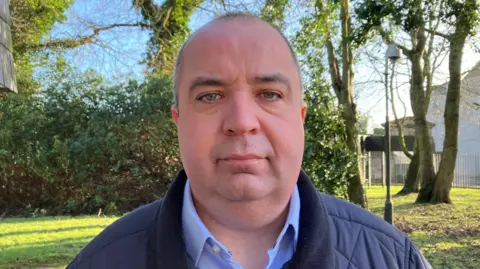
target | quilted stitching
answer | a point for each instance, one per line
(350, 266)
(375, 233)
(385, 246)
(355, 247)
(367, 226)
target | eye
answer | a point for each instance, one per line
(209, 97)
(271, 96)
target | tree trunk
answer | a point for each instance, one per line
(412, 183)
(426, 172)
(445, 176)
(356, 192)
(342, 83)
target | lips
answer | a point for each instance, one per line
(242, 159)
(251, 163)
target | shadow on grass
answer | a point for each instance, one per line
(52, 230)
(401, 207)
(65, 241)
(14, 220)
(52, 253)
(466, 257)
(42, 219)
(455, 250)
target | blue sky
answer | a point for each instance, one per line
(120, 51)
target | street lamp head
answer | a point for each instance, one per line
(393, 52)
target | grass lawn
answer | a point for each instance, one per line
(45, 242)
(449, 235)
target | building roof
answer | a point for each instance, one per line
(470, 80)
(408, 122)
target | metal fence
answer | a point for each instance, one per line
(466, 175)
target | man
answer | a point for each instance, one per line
(242, 200)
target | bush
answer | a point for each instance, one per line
(80, 146)
(326, 159)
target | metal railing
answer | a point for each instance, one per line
(466, 174)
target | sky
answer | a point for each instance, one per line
(120, 51)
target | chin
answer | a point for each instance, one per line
(245, 187)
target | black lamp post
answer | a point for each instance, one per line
(393, 53)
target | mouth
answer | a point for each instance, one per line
(242, 159)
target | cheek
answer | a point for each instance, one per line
(196, 139)
(287, 138)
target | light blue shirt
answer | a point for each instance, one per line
(208, 253)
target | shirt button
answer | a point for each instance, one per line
(216, 249)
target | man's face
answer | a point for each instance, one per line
(240, 114)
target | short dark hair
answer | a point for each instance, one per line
(226, 17)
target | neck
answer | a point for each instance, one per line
(248, 230)
(244, 218)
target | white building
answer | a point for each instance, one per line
(469, 125)
(467, 169)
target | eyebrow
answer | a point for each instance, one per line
(267, 78)
(273, 78)
(205, 81)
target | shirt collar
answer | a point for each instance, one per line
(293, 217)
(195, 233)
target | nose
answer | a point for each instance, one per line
(240, 117)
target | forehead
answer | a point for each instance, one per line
(236, 47)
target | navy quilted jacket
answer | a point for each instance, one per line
(333, 234)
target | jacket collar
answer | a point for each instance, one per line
(314, 249)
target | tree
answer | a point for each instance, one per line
(378, 131)
(169, 24)
(363, 120)
(340, 60)
(398, 122)
(464, 17)
(341, 74)
(435, 54)
(413, 17)
(412, 182)
(274, 12)
(327, 160)
(31, 21)
(422, 20)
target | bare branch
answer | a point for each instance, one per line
(108, 27)
(335, 74)
(436, 64)
(397, 121)
(405, 50)
(69, 43)
(434, 32)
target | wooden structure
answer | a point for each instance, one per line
(7, 70)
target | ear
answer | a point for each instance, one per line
(304, 111)
(175, 114)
